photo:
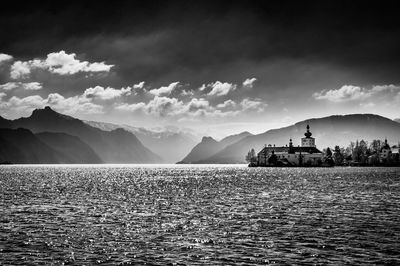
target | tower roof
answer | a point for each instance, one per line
(386, 145)
(308, 133)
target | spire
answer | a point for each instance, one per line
(308, 133)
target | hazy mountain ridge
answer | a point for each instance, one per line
(70, 140)
(171, 145)
(116, 146)
(71, 147)
(328, 131)
(209, 146)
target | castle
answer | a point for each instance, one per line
(305, 155)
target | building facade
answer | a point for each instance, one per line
(305, 155)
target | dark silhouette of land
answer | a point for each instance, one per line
(116, 146)
(328, 131)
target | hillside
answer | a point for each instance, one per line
(328, 132)
(22, 146)
(116, 146)
(70, 147)
(209, 146)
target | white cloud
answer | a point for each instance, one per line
(249, 83)
(5, 57)
(163, 106)
(131, 107)
(226, 104)
(58, 62)
(23, 105)
(20, 70)
(345, 93)
(2, 95)
(385, 88)
(70, 105)
(63, 64)
(73, 105)
(187, 93)
(106, 93)
(140, 85)
(197, 107)
(24, 85)
(220, 89)
(214, 113)
(203, 87)
(355, 93)
(196, 104)
(253, 105)
(9, 86)
(164, 90)
(32, 86)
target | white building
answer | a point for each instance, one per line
(307, 154)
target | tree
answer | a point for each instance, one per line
(328, 152)
(360, 152)
(338, 156)
(328, 157)
(251, 157)
(375, 146)
(273, 159)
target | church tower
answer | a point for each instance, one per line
(308, 141)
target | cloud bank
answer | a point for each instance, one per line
(59, 63)
(355, 93)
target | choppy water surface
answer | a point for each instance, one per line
(198, 215)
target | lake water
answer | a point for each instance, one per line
(198, 215)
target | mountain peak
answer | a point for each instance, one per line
(48, 112)
(208, 139)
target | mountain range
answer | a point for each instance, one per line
(50, 137)
(170, 144)
(116, 146)
(328, 132)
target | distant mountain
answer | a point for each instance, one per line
(171, 145)
(233, 138)
(70, 147)
(397, 120)
(22, 146)
(328, 132)
(116, 146)
(209, 146)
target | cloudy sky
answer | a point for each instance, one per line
(215, 66)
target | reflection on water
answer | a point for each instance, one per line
(198, 215)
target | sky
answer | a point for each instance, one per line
(217, 67)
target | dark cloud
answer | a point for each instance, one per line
(292, 48)
(196, 35)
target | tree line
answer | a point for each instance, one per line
(362, 153)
